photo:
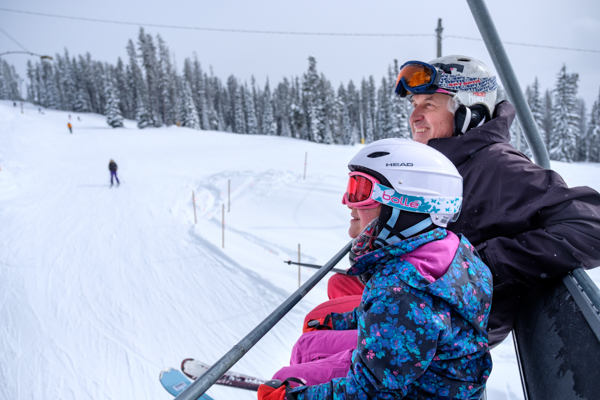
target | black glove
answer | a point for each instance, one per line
(321, 323)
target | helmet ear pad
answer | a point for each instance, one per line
(466, 118)
(406, 220)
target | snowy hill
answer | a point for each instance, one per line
(101, 288)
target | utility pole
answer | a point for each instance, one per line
(439, 38)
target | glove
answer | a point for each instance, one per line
(320, 324)
(277, 390)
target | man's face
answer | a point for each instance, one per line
(431, 118)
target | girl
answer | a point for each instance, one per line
(421, 323)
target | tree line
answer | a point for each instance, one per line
(149, 88)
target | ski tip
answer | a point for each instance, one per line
(173, 381)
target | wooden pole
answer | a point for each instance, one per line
(305, 159)
(299, 282)
(228, 195)
(223, 225)
(194, 205)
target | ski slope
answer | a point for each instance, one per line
(101, 288)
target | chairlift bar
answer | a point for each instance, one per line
(202, 384)
(509, 79)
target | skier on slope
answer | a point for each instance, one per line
(112, 167)
(70, 127)
(423, 314)
(524, 220)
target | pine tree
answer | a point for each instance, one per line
(51, 97)
(348, 131)
(367, 106)
(239, 125)
(563, 141)
(310, 86)
(593, 133)
(188, 111)
(166, 84)
(9, 82)
(139, 89)
(353, 104)
(149, 60)
(269, 124)
(249, 106)
(113, 112)
(282, 102)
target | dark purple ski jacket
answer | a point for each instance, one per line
(524, 219)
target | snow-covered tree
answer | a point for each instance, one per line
(310, 87)
(269, 124)
(593, 133)
(113, 112)
(239, 125)
(563, 140)
(251, 120)
(147, 51)
(9, 82)
(188, 111)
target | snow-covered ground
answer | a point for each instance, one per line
(101, 288)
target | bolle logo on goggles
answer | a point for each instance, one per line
(464, 83)
(403, 201)
(399, 164)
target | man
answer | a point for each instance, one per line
(112, 167)
(525, 222)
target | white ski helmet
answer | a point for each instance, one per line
(414, 177)
(471, 69)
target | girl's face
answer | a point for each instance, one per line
(360, 219)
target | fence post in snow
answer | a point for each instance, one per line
(298, 264)
(305, 159)
(194, 205)
(223, 225)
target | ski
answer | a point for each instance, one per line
(174, 381)
(193, 369)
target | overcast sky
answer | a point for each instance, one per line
(573, 24)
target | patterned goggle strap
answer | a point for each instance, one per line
(419, 204)
(467, 84)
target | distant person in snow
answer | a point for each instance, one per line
(419, 331)
(70, 127)
(112, 167)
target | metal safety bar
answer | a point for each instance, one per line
(202, 384)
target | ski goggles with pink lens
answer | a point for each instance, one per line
(359, 190)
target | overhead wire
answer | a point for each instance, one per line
(14, 40)
(199, 28)
(298, 33)
(526, 44)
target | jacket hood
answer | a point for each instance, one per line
(466, 286)
(494, 131)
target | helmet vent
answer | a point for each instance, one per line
(378, 154)
(464, 59)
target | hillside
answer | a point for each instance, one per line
(101, 288)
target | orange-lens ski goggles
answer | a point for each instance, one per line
(416, 77)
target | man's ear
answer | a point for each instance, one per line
(467, 118)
